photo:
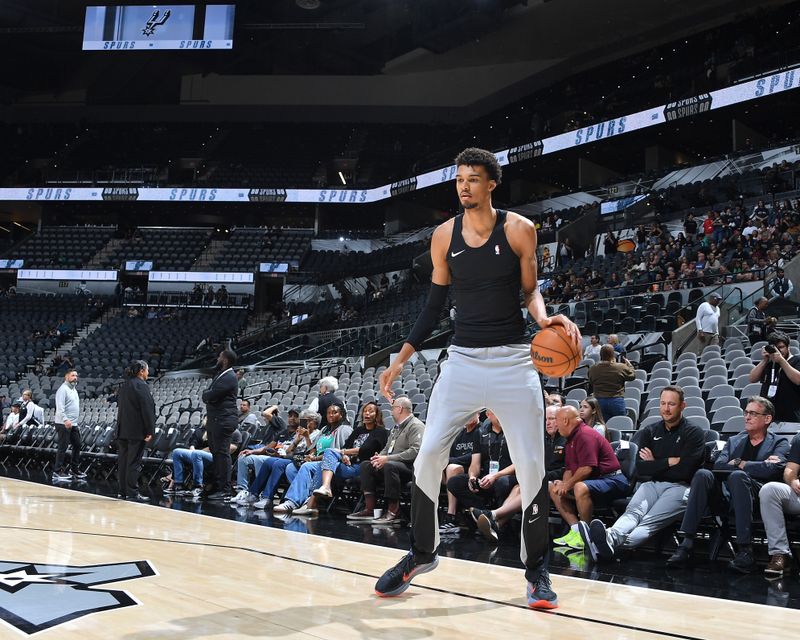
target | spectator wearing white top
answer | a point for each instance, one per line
(11, 420)
(708, 321)
(593, 348)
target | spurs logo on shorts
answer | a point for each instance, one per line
(66, 589)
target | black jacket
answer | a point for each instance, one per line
(758, 469)
(325, 401)
(686, 441)
(136, 411)
(221, 404)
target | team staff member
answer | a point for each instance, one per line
(488, 255)
(136, 424)
(68, 410)
(752, 457)
(592, 473)
(779, 375)
(670, 452)
(222, 419)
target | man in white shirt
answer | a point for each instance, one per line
(708, 322)
(593, 348)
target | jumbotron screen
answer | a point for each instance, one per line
(155, 27)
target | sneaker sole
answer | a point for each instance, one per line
(425, 568)
(776, 574)
(599, 537)
(588, 545)
(543, 605)
(485, 527)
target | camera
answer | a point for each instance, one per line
(770, 348)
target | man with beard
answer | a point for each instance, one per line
(222, 412)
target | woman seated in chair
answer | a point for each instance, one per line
(591, 414)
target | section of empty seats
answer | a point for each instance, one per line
(246, 248)
(62, 247)
(168, 248)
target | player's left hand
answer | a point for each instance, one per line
(569, 325)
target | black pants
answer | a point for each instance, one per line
(709, 494)
(394, 475)
(219, 443)
(129, 466)
(68, 437)
(493, 496)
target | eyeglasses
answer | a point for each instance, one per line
(753, 414)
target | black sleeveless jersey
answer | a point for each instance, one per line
(486, 285)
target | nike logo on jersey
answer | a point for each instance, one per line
(659, 438)
(458, 253)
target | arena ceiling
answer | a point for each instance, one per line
(481, 52)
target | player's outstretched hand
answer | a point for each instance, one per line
(569, 325)
(387, 377)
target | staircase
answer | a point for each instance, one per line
(100, 258)
(211, 253)
(81, 335)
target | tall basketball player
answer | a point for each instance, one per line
(488, 255)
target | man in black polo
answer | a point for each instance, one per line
(779, 375)
(748, 460)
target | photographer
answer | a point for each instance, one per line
(758, 324)
(779, 375)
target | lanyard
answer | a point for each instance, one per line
(500, 452)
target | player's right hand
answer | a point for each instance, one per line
(387, 377)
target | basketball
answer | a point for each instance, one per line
(554, 353)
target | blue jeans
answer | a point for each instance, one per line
(196, 458)
(270, 474)
(611, 407)
(243, 464)
(308, 478)
(332, 461)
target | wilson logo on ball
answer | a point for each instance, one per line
(540, 358)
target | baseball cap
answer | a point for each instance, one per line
(294, 410)
(715, 296)
(16, 403)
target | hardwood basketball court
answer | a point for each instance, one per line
(214, 578)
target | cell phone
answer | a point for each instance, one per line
(770, 348)
(473, 482)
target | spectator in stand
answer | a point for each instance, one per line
(747, 461)
(670, 452)
(758, 324)
(708, 322)
(610, 244)
(554, 444)
(779, 375)
(248, 421)
(241, 382)
(613, 340)
(11, 420)
(690, 225)
(327, 396)
(780, 286)
(592, 416)
(708, 226)
(608, 379)
(593, 348)
(465, 457)
(777, 499)
(254, 459)
(592, 474)
(555, 399)
(394, 464)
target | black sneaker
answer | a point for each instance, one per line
(475, 513)
(487, 525)
(78, 475)
(175, 489)
(601, 538)
(398, 578)
(540, 594)
(681, 559)
(586, 536)
(743, 562)
(449, 527)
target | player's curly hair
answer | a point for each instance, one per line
(474, 157)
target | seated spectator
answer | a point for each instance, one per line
(747, 461)
(554, 444)
(394, 465)
(592, 416)
(777, 500)
(670, 452)
(492, 485)
(11, 420)
(364, 442)
(465, 457)
(592, 474)
(273, 469)
(608, 379)
(197, 456)
(279, 435)
(555, 400)
(309, 475)
(326, 397)
(593, 348)
(247, 421)
(30, 414)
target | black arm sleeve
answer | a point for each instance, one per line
(428, 316)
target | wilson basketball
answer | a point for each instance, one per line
(554, 353)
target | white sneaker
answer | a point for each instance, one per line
(261, 504)
(305, 510)
(323, 492)
(196, 494)
(241, 497)
(285, 507)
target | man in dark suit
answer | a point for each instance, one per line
(222, 411)
(136, 423)
(748, 460)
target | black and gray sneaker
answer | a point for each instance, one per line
(449, 527)
(78, 475)
(487, 525)
(601, 539)
(475, 513)
(399, 577)
(540, 593)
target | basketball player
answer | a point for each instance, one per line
(487, 255)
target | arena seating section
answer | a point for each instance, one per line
(170, 249)
(247, 247)
(63, 247)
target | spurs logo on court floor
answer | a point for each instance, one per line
(35, 597)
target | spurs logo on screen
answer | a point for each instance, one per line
(688, 107)
(35, 597)
(266, 195)
(404, 186)
(525, 152)
(156, 20)
(121, 194)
